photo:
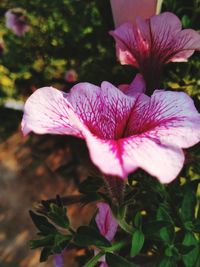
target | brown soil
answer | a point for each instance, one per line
(31, 169)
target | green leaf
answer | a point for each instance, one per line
(137, 242)
(190, 258)
(45, 253)
(187, 209)
(61, 242)
(91, 184)
(58, 215)
(47, 241)
(138, 220)
(117, 261)
(184, 249)
(166, 233)
(42, 223)
(154, 227)
(87, 236)
(185, 21)
(196, 226)
(167, 262)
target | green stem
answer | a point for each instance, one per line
(125, 226)
(93, 261)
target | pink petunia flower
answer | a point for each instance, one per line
(153, 42)
(16, 21)
(107, 225)
(71, 76)
(122, 132)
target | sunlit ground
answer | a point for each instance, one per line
(32, 169)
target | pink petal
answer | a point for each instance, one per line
(125, 39)
(161, 161)
(106, 223)
(136, 86)
(178, 121)
(107, 156)
(47, 111)
(103, 264)
(104, 110)
(128, 10)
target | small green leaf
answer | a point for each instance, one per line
(188, 206)
(87, 236)
(45, 253)
(58, 215)
(117, 261)
(137, 242)
(196, 226)
(166, 233)
(42, 223)
(138, 220)
(190, 258)
(167, 262)
(184, 249)
(61, 242)
(185, 21)
(46, 241)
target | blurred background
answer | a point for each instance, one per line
(60, 43)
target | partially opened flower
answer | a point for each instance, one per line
(17, 21)
(153, 42)
(122, 132)
(107, 225)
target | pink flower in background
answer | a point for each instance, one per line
(153, 42)
(107, 225)
(128, 10)
(122, 132)
(1, 48)
(16, 21)
(71, 76)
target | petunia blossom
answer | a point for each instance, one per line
(71, 76)
(153, 42)
(122, 132)
(17, 21)
(107, 225)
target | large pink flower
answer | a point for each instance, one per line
(153, 42)
(16, 21)
(123, 132)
